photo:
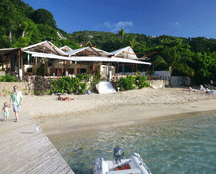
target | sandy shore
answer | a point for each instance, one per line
(98, 111)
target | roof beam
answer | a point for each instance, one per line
(95, 51)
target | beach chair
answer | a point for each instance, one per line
(202, 88)
(192, 90)
(209, 92)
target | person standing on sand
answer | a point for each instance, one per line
(17, 100)
(5, 111)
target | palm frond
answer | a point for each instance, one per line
(159, 60)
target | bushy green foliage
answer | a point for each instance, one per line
(80, 77)
(21, 25)
(87, 76)
(44, 17)
(69, 85)
(82, 88)
(48, 91)
(96, 79)
(131, 82)
(141, 82)
(126, 83)
(8, 78)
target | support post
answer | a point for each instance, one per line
(153, 67)
(75, 68)
(21, 65)
(110, 76)
(33, 66)
(66, 69)
(28, 59)
(18, 63)
(136, 68)
(58, 71)
(53, 67)
(118, 69)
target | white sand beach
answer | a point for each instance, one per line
(99, 111)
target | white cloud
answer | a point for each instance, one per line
(175, 23)
(114, 27)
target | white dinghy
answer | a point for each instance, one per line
(133, 165)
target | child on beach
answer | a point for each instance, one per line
(5, 111)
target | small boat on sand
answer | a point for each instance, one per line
(133, 165)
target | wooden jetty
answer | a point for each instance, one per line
(23, 149)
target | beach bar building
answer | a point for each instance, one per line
(65, 61)
(83, 60)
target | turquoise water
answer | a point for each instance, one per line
(169, 146)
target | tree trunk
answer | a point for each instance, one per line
(10, 34)
(170, 79)
(23, 33)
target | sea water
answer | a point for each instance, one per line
(167, 146)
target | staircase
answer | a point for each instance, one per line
(105, 88)
(156, 84)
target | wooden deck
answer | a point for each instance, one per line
(24, 150)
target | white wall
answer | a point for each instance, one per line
(159, 73)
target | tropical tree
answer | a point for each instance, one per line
(42, 16)
(204, 65)
(175, 60)
(122, 33)
(24, 26)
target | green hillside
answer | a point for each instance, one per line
(21, 25)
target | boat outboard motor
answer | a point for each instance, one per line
(118, 154)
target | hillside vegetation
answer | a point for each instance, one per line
(21, 25)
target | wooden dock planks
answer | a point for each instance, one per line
(24, 150)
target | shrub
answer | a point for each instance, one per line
(8, 78)
(82, 88)
(47, 91)
(131, 82)
(126, 83)
(141, 82)
(96, 80)
(138, 73)
(69, 85)
(80, 77)
(87, 76)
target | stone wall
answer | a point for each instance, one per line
(180, 80)
(6, 87)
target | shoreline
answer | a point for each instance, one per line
(125, 116)
(112, 110)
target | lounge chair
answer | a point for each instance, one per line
(202, 88)
(209, 92)
(192, 90)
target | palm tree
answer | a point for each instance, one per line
(133, 43)
(121, 33)
(175, 60)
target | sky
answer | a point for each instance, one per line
(180, 18)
